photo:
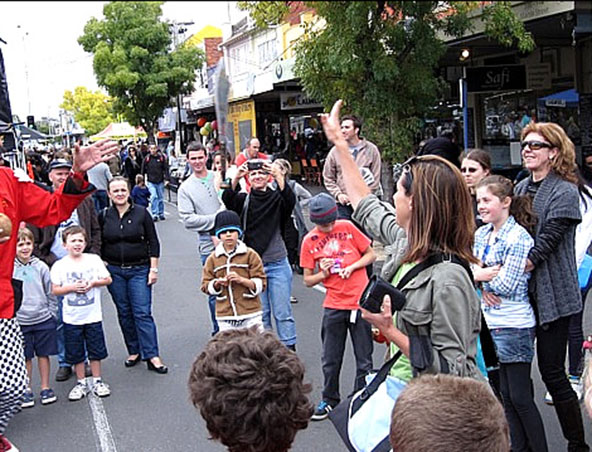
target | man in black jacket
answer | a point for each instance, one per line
(156, 170)
(49, 246)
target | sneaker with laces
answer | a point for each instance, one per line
(28, 399)
(78, 392)
(548, 399)
(101, 389)
(322, 411)
(576, 385)
(6, 446)
(48, 396)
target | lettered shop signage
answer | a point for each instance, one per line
(295, 101)
(496, 78)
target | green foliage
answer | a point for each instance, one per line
(92, 110)
(134, 62)
(382, 58)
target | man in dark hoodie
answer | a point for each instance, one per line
(263, 213)
(445, 146)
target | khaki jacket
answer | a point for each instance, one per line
(235, 301)
(442, 315)
(368, 157)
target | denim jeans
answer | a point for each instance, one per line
(101, 200)
(514, 345)
(211, 302)
(133, 299)
(60, 336)
(275, 300)
(156, 199)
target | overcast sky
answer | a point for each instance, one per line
(41, 40)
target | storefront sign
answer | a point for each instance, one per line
(539, 76)
(284, 70)
(241, 115)
(496, 78)
(555, 103)
(296, 101)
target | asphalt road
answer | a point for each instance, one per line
(151, 412)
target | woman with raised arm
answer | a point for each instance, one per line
(438, 326)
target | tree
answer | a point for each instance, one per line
(92, 110)
(134, 62)
(382, 57)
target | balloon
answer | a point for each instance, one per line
(204, 132)
(313, 123)
(208, 126)
(201, 121)
(214, 125)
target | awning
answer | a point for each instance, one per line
(568, 98)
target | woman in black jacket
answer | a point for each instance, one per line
(131, 249)
(131, 167)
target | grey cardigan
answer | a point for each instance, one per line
(554, 282)
(442, 314)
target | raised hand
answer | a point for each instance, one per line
(331, 123)
(88, 156)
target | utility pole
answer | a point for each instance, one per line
(179, 28)
(26, 33)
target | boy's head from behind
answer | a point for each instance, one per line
(323, 211)
(24, 244)
(445, 412)
(75, 240)
(250, 390)
(227, 227)
(139, 180)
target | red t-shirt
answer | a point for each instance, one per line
(346, 244)
(242, 158)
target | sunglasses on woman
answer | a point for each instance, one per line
(468, 170)
(534, 145)
(404, 168)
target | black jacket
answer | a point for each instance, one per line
(129, 240)
(156, 168)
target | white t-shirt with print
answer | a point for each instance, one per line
(80, 308)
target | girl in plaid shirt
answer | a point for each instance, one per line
(502, 246)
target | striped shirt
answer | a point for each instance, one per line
(509, 249)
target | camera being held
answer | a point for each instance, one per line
(375, 292)
(255, 164)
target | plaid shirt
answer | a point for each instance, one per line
(510, 250)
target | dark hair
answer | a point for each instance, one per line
(448, 133)
(480, 156)
(117, 179)
(474, 419)
(74, 230)
(442, 218)
(25, 234)
(357, 122)
(196, 146)
(250, 390)
(520, 208)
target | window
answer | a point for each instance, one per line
(267, 52)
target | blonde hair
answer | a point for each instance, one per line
(564, 165)
(285, 166)
(25, 234)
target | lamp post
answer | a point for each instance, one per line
(25, 34)
(179, 28)
(464, 56)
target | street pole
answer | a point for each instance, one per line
(178, 99)
(465, 109)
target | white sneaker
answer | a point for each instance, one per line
(577, 386)
(78, 392)
(101, 389)
(548, 398)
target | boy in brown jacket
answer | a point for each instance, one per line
(234, 274)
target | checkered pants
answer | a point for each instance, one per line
(13, 373)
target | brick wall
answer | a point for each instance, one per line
(212, 52)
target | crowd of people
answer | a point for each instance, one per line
(485, 273)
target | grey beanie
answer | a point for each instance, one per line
(323, 209)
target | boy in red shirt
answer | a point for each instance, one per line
(336, 253)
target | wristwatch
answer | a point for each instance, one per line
(154, 269)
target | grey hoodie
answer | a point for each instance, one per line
(39, 304)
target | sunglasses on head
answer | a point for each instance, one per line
(404, 168)
(534, 145)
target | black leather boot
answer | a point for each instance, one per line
(570, 419)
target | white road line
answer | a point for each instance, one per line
(320, 288)
(101, 423)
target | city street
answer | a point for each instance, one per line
(151, 412)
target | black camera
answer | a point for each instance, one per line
(255, 164)
(374, 293)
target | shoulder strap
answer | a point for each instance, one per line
(432, 260)
(244, 212)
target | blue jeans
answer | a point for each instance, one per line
(156, 199)
(101, 200)
(211, 301)
(514, 345)
(133, 299)
(275, 300)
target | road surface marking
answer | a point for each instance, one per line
(101, 423)
(320, 288)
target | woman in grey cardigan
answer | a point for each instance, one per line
(549, 155)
